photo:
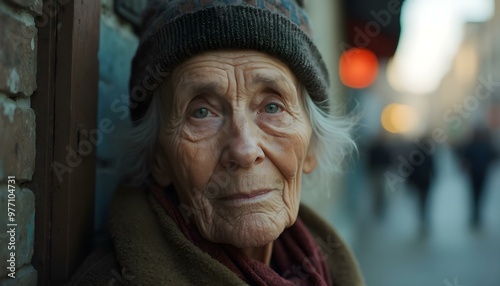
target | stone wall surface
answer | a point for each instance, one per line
(18, 69)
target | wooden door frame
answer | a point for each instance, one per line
(65, 105)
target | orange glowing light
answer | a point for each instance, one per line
(399, 118)
(358, 68)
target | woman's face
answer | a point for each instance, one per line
(234, 142)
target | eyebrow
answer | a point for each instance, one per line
(205, 87)
(277, 83)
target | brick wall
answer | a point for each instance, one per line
(18, 52)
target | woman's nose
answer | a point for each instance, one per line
(243, 149)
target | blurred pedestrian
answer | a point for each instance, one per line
(379, 160)
(421, 180)
(477, 155)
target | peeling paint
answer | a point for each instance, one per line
(9, 109)
(24, 17)
(13, 81)
(33, 44)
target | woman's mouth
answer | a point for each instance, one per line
(247, 197)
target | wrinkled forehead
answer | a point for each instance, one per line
(217, 72)
(212, 71)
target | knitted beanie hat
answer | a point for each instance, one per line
(174, 30)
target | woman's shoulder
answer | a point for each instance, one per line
(343, 266)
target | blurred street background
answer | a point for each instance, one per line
(420, 203)
(394, 249)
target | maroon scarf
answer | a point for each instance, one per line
(296, 258)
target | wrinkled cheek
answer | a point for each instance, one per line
(199, 208)
(292, 202)
(193, 164)
(194, 169)
(293, 189)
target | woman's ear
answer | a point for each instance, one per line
(309, 163)
(160, 168)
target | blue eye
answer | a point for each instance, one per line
(200, 113)
(271, 108)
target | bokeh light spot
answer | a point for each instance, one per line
(358, 68)
(399, 118)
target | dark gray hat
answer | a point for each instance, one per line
(175, 30)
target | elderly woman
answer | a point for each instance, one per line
(230, 105)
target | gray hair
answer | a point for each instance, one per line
(331, 141)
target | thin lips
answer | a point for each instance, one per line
(248, 195)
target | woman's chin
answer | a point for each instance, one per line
(254, 231)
